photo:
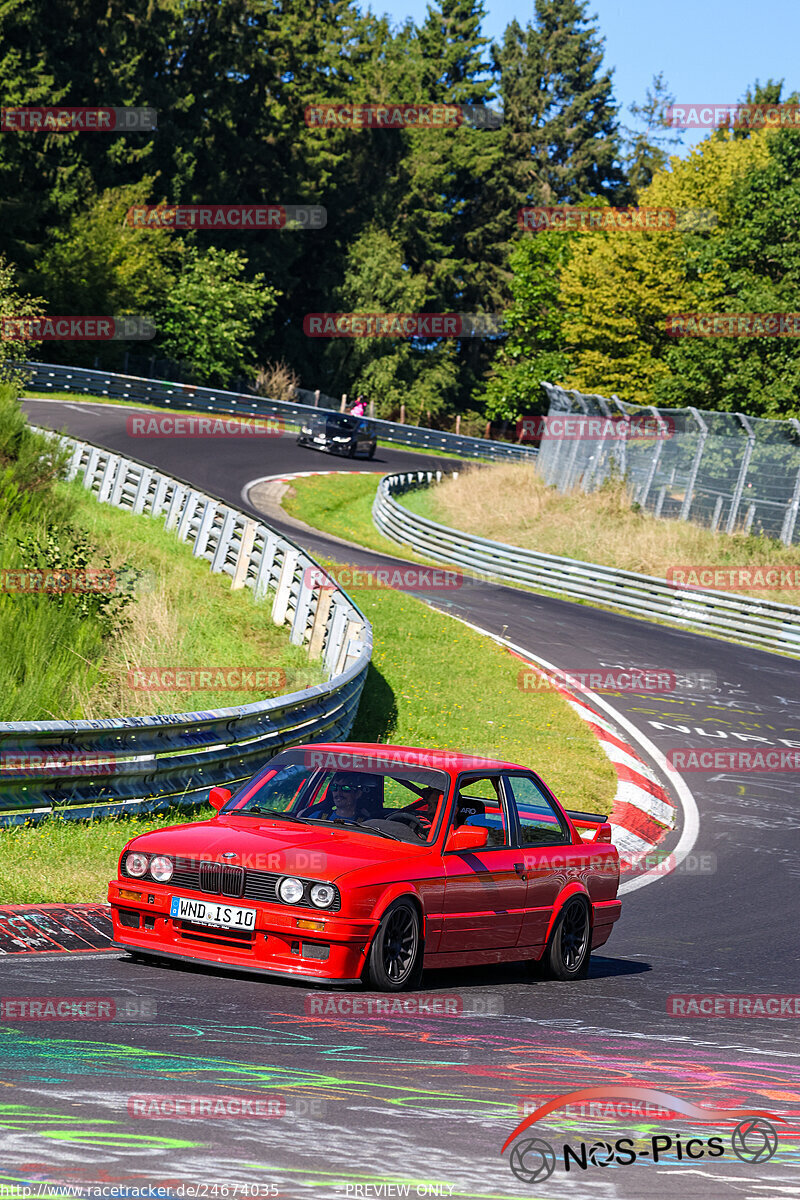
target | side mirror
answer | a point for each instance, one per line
(467, 837)
(603, 833)
(219, 796)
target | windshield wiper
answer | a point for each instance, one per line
(269, 812)
(366, 828)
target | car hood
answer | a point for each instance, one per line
(331, 427)
(262, 844)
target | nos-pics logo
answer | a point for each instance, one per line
(533, 1159)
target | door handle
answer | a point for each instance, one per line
(520, 869)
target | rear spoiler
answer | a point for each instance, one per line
(591, 823)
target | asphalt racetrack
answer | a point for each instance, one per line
(377, 1104)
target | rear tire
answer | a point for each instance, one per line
(372, 452)
(570, 946)
(394, 963)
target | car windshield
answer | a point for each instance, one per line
(383, 799)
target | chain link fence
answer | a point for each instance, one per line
(726, 471)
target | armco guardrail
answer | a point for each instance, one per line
(163, 394)
(155, 762)
(762, 623)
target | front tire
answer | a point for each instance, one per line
(394, 963)
(570, 946)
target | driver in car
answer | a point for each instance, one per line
(350, 796)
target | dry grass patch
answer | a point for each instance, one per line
(511, 503)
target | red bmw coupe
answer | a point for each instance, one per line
(348, 861)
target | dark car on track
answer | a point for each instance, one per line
(339, 433)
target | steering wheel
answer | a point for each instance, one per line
(412, 821)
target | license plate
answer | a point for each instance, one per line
(319, 439)
(208, 912)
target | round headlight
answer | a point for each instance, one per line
(290, 890)
(323, 895)
(136, 864)
(161, 868)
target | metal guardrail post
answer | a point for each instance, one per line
(790, 520)
(764, 623)
(651, 474)
(166, 394)
(690, 485)
(739, 489)
(566, 480)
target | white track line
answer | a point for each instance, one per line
(288, 476)
(691, 816)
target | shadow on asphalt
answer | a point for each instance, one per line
(494, 976)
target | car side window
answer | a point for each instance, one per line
(540, 823)
(479, 802)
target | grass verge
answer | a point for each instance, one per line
(342, 505)
(433, 682)
(179, 617)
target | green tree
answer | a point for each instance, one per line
(646, 147)
(562, 134)
(617, 288)
(753, 267)
(99, 264)
(534, 349)
(210, 316)
(391, 371)
(14, 303)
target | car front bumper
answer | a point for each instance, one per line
(277, 946)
